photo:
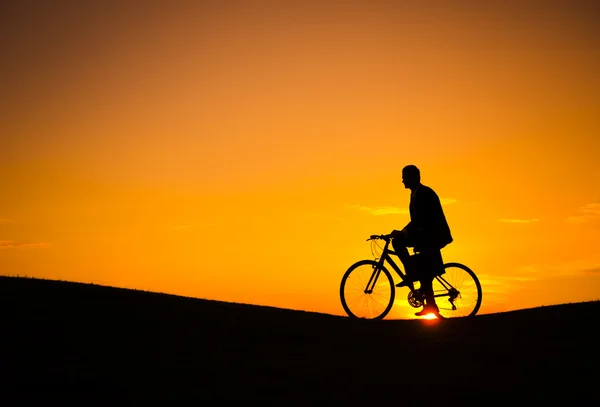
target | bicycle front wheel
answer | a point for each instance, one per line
(457, 291)
(367, 291)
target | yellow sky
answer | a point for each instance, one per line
(244, 153)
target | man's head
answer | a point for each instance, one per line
(411, 176)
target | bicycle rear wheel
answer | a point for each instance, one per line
(367, 291)
(457, 291)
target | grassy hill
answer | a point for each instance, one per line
(98, 345)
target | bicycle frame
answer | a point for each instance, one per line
(385, 256)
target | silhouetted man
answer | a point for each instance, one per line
(428, 232)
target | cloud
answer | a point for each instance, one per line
(9, 244)
(564, 269)
(593, 270)
(494, 284)
(393, 210)
(381, 210)
(522, 278)
(521, 221)
(501, 284)
(448, 201)
(591, 209)
(587, 213)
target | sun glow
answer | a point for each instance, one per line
(132, 157)
(430, 316)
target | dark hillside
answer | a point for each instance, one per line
(99, 344)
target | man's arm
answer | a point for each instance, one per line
(405, 230)
(409, 227)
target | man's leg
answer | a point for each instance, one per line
(427, 289)
(400, 244)
(431, 270)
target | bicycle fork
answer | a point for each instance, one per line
(373, 280)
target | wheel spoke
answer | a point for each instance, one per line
(359, 304)
(462, 279)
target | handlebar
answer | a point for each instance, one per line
(382, 237)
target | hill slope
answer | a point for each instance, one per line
(98, 344)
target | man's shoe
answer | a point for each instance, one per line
(428, 309)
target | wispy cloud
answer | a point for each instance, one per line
(520, 221)
(522, 278)
(393, 210)
(501, 284)
(9, 244)
(494, 284)
(381, 210)
(587, 213)
(563, 269)
(448, 201)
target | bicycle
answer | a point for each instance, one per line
(367, 289)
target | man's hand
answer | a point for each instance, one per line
(396, 233)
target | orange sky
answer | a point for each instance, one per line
(244, 153)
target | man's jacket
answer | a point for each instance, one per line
(427, 218)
